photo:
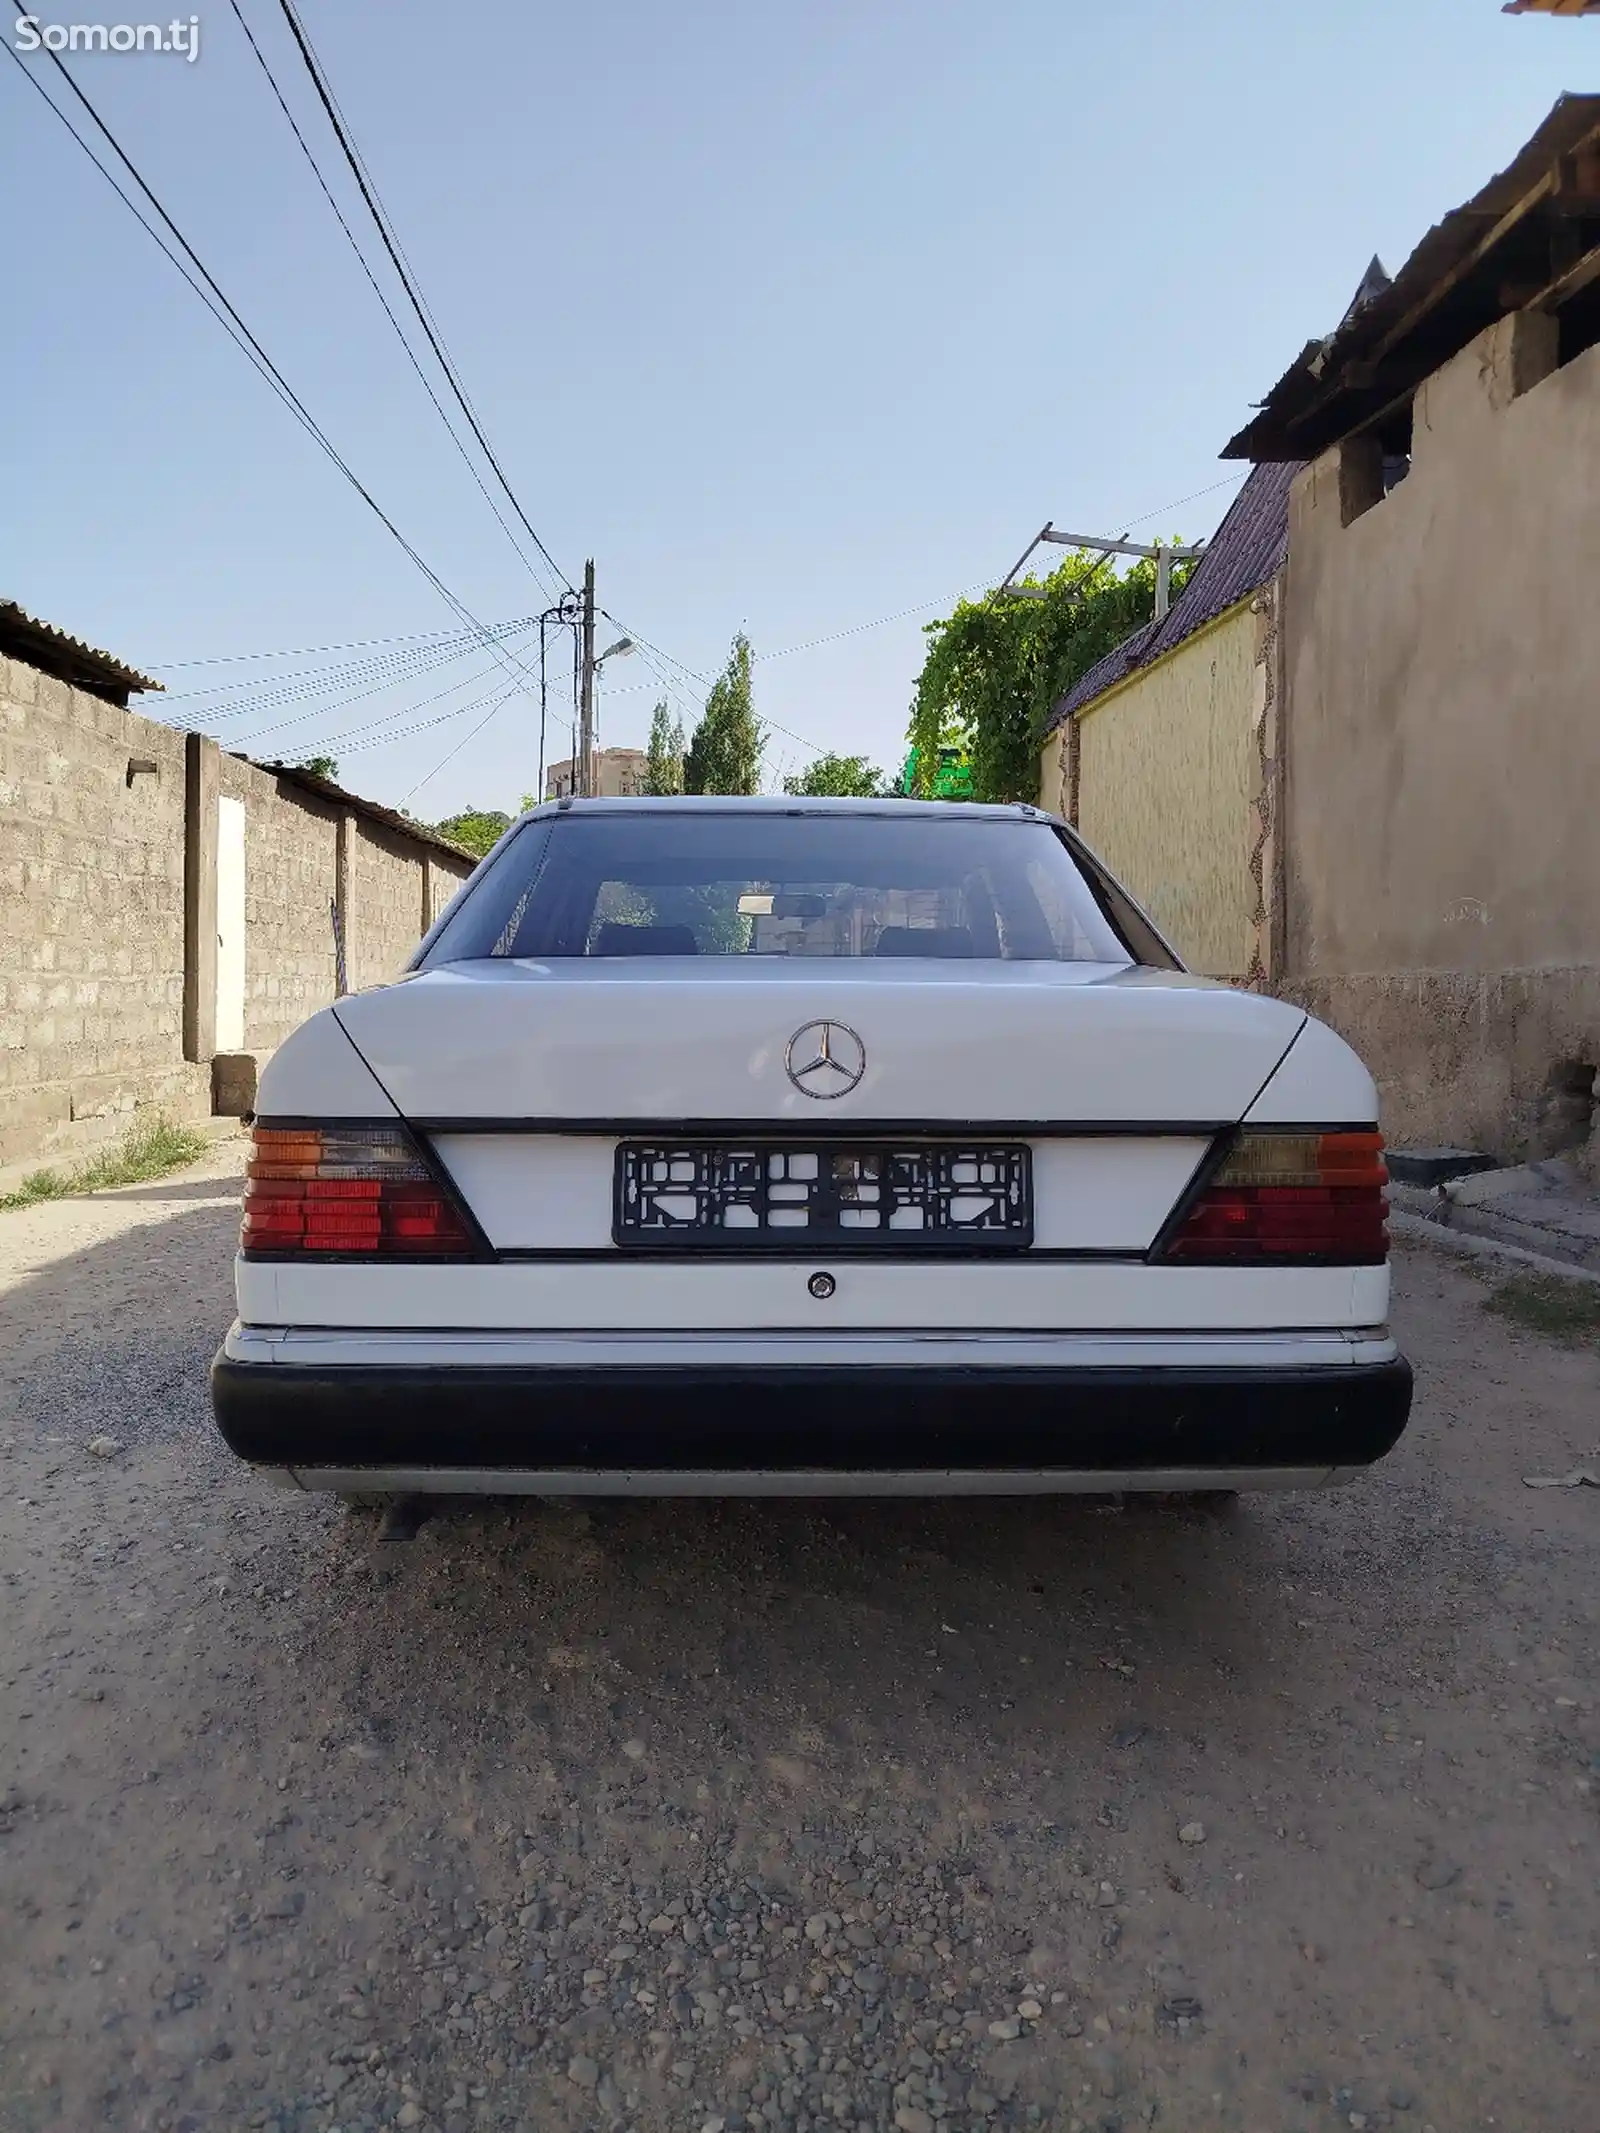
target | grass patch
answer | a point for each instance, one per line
(1545, 1303)
(149, 1149)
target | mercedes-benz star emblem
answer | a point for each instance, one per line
(825, 1059)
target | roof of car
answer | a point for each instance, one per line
(784, 804)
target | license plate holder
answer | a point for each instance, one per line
(782, 1196)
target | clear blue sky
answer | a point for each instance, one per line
(793, 317)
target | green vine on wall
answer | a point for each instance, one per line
(996, 667)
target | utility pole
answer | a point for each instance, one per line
(583, 769)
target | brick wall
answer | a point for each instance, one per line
(91, 918)
(93, 871)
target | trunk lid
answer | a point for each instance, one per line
(652, 1041)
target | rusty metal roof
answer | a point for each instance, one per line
(1248, 548)
(1530, 237)
(69, 659)
(311, 781)
(1551, 7)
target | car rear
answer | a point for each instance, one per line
(753, 1147)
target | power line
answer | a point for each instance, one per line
(427, 384)
(383, 674)
(218, 304)
(427, 725)
(325, 711)
(296, 651)
(653, 653)
(355, 740)
(401, 265)
(644, 644)
(1228, 480)
(494, 711)
(290, 682)
(386, 674)
(656, 661)
(856, 629)
(811, 644)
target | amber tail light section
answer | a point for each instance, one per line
(346, 1192)
(1290, 1199)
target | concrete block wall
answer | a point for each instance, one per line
(387, 886)
(109, 921)
(91, 919)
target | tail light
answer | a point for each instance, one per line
(361, 1192)
(1283, 1199)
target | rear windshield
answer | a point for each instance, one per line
(759, 884)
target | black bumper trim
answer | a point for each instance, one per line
(839, 1418)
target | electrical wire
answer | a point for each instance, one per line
(494, 712)
(666, 679)
(211, 294)
(382, 674)
(812, 644)
(1211, 488)
(500, 697)
(653, 654)
(229, 317)
(236, 697)
(550, 590)
(325, 711)
(356, 740)
(300, 651)
(402, 267)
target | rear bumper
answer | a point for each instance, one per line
(555, 1415)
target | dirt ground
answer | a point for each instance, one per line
(743, 1817)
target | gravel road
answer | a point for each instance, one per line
(750, 1817)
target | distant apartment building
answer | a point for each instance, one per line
(618, 775)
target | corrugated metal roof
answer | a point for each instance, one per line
(391, 818)
(1249, 548)
(69, 659)
(1457, 281)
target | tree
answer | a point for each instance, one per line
(838, 777)
(663, 775)
(724, 752)
(478, 828)
(997, 666)
(321, 766)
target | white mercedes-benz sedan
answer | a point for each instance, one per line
(809, 1147)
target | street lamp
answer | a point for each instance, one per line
(619, 650)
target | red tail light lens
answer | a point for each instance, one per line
(1284, 1199)
(346, 1192)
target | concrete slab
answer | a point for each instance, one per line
(1432, 1166)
